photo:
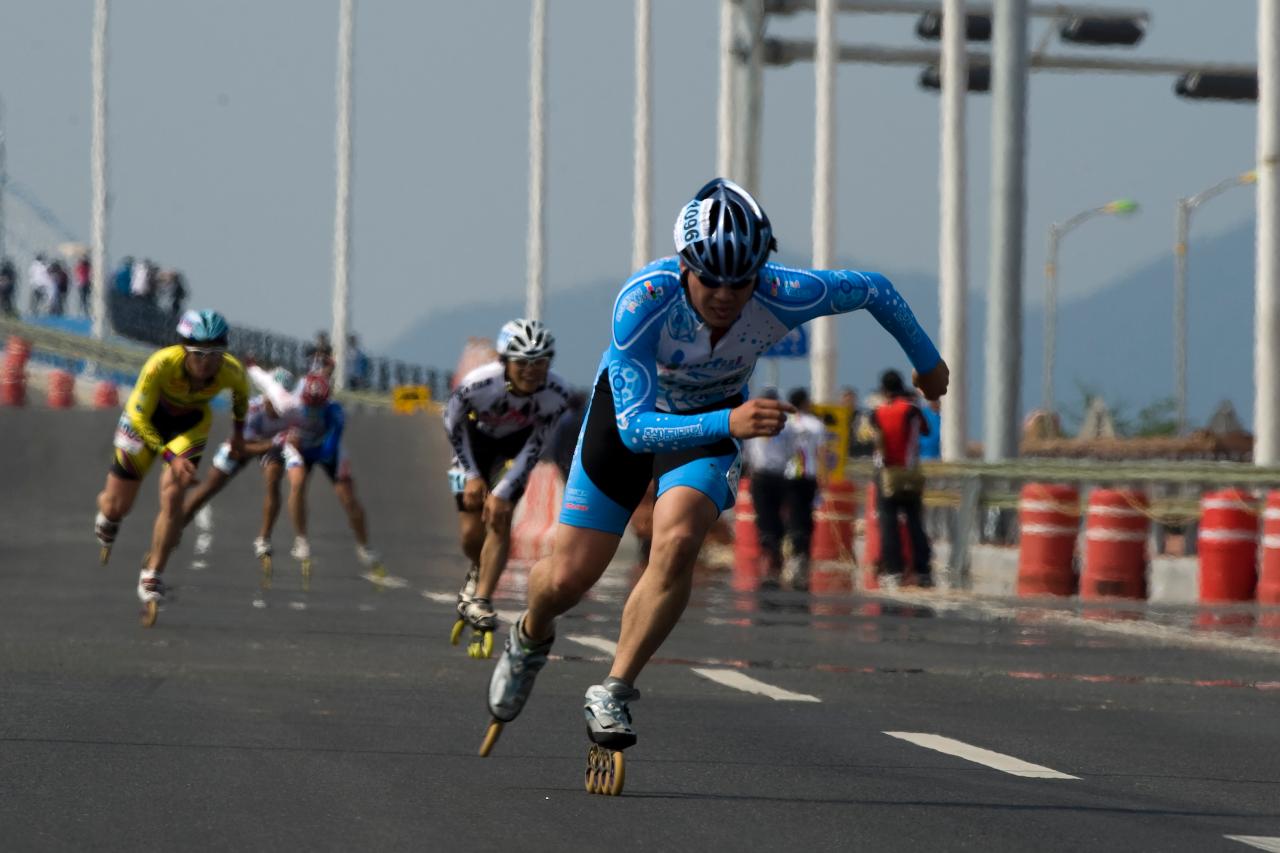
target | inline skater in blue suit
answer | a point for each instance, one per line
(670, 403)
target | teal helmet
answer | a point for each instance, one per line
(203, 327)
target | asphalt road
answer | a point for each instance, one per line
(341, 719)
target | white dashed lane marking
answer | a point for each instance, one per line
(1261, 842)
(609, 647)
(978, 755)
(747, 684)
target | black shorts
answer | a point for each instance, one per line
(605, 466)
(492, 456)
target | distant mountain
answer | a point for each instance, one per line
(1117, 341)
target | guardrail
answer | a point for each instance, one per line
(125, 360)
(970, 503)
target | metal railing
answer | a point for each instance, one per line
(143, 320)
(971, 503)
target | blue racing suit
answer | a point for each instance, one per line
(664, 393)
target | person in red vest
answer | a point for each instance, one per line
(898, 425)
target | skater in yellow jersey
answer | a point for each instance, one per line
(168, 415)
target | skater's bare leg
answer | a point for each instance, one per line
(168, 526)
(117, 497)
(558, 582)
(493, 555)
(202, 494)
(298, 499)
(471, 533)
(271, 477)
(346, 492)
(681, 519)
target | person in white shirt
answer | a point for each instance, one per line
(41, 284)
(767, 462)
(805, 435)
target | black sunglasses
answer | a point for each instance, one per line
(741, 284)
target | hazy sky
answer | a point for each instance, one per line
(221, 146)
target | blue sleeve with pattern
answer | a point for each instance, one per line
(632, 358)
(798, 296)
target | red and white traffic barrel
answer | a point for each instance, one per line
(1269, 581)
(1115, 553)
(1048, 521)
(1228, 546)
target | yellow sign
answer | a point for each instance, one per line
(835, 450)
(407, 399)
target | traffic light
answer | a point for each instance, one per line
(1204, 85)
(979, 78)
(976, 27)
(1102, 31)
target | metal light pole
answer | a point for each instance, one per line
(822, 339)
(1008, 224)
(1266, 332)
(727, 100)
(953, 234)
(342, 207)
(1057, 231)
(98, 171)
(642, 187)
(536, 259)
(4, 177)
(1182, 228)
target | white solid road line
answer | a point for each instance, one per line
(609, 647)
(738, 681)
(387, 581)
(1262, 842)
(978, 755)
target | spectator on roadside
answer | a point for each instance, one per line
(357, 364)
(931, 439)
(40, 284)
(61, 287)
(8, 288)
(177, 293)
(766, 460)
(898, 424)
(319, 356)
(122, 278)
(804, 435)
(142, 280)
(84, 284)
(860, 443)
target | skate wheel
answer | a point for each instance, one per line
(306, 575)
(104, 554)
(456, 633)
(266, 571)
(481, 645)
(490, 737)
(606, 771)
(379, 570)
(150, 610)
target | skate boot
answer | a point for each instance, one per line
(262, 552)
(105, 529)
(512, 681)
(608, 715)
(151, 590)
(301, 552)
(371, 560)
(480, 616)
(465, 595)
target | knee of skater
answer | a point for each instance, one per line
(678, 549)
(567, 587)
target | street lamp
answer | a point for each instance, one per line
(1119, 207)
(1182, 229)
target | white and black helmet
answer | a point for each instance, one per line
(525, 339)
